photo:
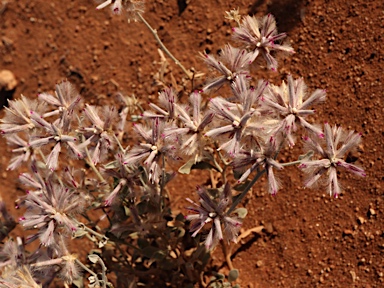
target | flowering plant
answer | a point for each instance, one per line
(86, 181)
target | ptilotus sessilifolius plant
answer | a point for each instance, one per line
(87, 181)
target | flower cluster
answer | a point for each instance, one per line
(209, 211)
(260, 36)
(331, 152)
(238, 133)
(51, 208)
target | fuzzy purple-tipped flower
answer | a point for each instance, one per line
(292, 104)
(18, 117)
(65, 101)
(260, 35)
(121, 173)
(331, 151)
(151, 151)
(56, 134)
(22, 148)
(233, 63)
(257, 156)
(99, 135)
(194, 122)
(208, 211)
(50, 208)
(237, 117)
(167, 99)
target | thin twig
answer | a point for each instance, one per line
(162, 185)
(291, 163)
(227, 255)
(118, 143)
(154, 32)
(89, 230)
(4, 7)
(92, 165)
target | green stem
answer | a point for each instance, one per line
(291, 163)
(162, 184)
(118, 143)
(218, 167)
(154, 32)
(86, 268)
(89, 230)
(50, 262)
(92, 165)
(244, 193)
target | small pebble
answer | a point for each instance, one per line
(360, 220)
(8, 81)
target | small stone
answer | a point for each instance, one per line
(7, 41)
(361, 220)
(8, 81)
(347, 232)
(371, 212)
(259, 263)
(94, 79)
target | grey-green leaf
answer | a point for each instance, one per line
(233, 275)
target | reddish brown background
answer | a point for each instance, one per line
(311, 240)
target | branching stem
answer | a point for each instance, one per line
(154, 32)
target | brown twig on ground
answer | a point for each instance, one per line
(245, 234)
(3, 7)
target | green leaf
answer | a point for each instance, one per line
(237, 174)
(306, 156)
(111, 165)
(241, 212)
(233, 275)
(190, 165)
(127, 211)
(93, 258)
(79, 233)
(241, 186)
(180, 217)
(79, 282)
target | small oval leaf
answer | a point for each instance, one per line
(233, 275)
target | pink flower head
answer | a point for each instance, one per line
(331, 152)
(208, 211)
(233, 62)
(292, 104)
(260, 35)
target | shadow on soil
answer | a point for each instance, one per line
(288, 13)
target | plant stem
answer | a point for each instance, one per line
(85, 268)
(89, 230)
(291, 163)
(50, 262)
(242, 195)
(162, 184)
(92, 165)
(154, 32)
(118, 143)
